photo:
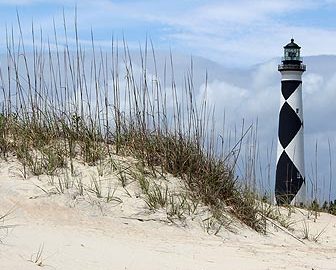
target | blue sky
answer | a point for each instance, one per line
(240, 33)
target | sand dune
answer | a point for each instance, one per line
(84, 232)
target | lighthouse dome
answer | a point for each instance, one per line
(292, 45)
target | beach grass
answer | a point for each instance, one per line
(59, 106)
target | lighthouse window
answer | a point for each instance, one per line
(297, 110)
(291, 54)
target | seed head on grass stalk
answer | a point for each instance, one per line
(66, 96)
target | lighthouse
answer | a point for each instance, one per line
(290, 184)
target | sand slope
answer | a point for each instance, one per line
(82, 232)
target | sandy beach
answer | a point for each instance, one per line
(67, 231)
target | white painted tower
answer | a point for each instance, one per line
(290, 175)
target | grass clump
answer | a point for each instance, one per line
(68, 108)
(329, 207)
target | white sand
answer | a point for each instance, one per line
(82, 232)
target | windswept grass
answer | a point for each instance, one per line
(4, 226)
(58, 106)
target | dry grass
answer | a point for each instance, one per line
(58, 107)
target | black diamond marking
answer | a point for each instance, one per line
(288, 87)
(288, 180)
(289, 124)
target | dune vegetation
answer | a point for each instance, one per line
(60, 107)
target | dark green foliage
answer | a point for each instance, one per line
(329, 207)
(315, 206)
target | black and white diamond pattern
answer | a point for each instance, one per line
(289, 124)
(290, 161)
(288, 88)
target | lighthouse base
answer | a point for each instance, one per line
(300, 199)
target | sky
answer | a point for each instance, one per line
(239, 42)
(238, 33)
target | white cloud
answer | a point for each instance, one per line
(313, 83)
(257, 100)
(240, 33)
